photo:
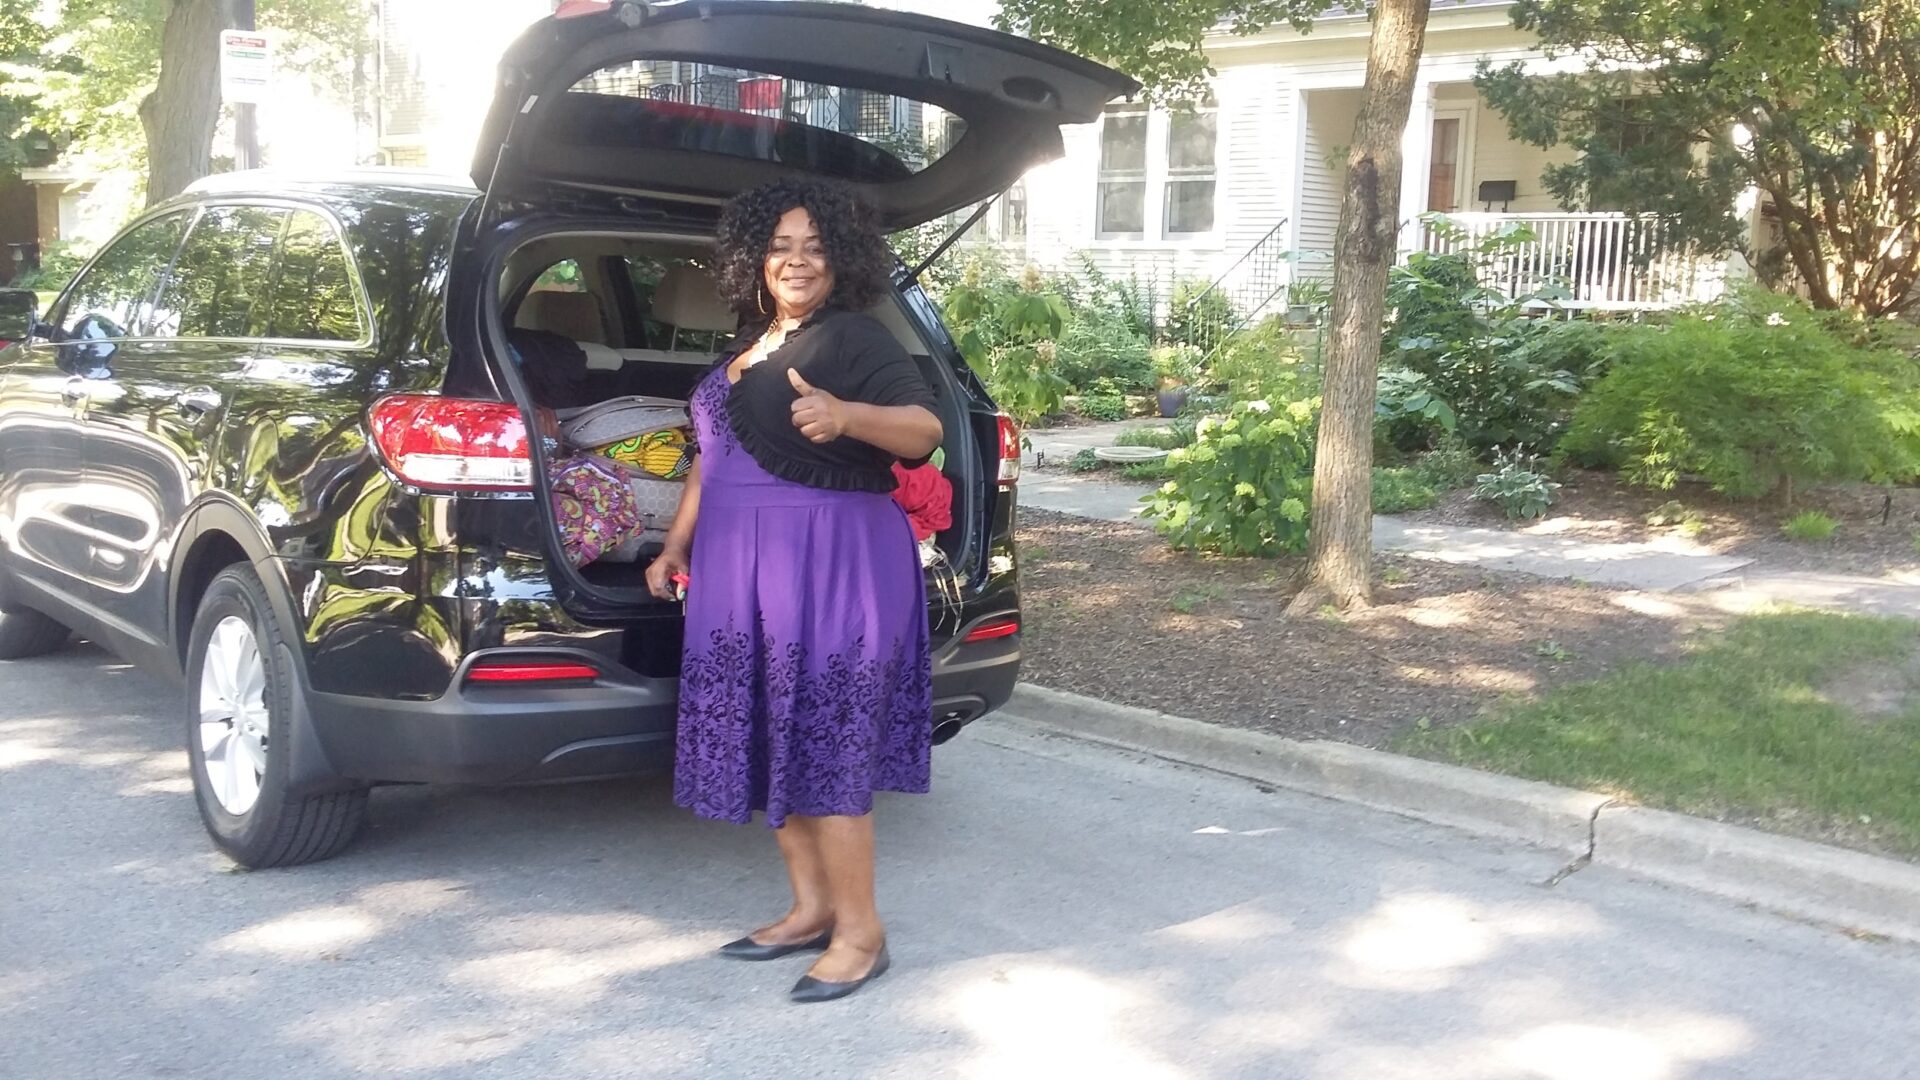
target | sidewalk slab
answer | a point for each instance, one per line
(1894, 594)
(1797, 878)
(1653, 566)
(1814, 881)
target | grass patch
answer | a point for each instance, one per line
(1809, 526)
(1804, 722)
(1398, 490)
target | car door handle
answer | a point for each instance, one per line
(198, 401)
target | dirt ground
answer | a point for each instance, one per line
(1600, 506)
(1112, 612)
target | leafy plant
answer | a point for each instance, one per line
(1105, 400)
(1449, 465)
(57, 266)
(1406, 399)
(1809, 526)
(1148, 470)
(1100, 344)
(1398, 490)
(1176, 434)
(1007, 330)
(1176, 364)
(1756, 395)
(1262, 361)
(1520, 490)
(1199, 315)
(1085, 461)
(1243, 487)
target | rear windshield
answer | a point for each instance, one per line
(838, 131)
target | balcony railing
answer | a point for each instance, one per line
(1600, 261)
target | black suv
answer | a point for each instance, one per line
(273, 439)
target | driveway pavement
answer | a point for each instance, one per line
(1057, 910)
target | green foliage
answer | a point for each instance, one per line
(1155, 41)
(1809, 525)
(1131, 301)
(1101, 344)
(1243, 487)
(1675, 109)
(1086, 461)
(1398, 490)
(1516, 486)
(1756, 395)
(1262, 361)
(1105, 400)
(1007, 331)
(58, 264)
(1450, 465)
(1500, 376)
(1176, 434)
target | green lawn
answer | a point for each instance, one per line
(1802, 722)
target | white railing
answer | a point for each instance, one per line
(1599, 260)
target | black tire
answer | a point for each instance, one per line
(275, 830)
(25, 633)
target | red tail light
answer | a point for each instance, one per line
(992, 631)
(575, 8)
(1009, 451)
(453, 444)
(525, 672)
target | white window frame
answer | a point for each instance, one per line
(1463, 169)
(1157, 177)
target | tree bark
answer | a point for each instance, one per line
(1340, 542)
(180, 114)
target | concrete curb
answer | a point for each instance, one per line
(1794, 877)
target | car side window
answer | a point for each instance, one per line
(312, 296)
(219, 284)
(114, 298)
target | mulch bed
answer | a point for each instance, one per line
(1600, 506)
(1112, 612)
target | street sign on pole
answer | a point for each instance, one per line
(246, 66)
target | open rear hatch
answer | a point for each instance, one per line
(698, 101)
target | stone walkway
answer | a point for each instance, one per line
(1668, 564)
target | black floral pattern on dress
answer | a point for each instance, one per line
(831, 734)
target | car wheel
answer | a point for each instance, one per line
(25, 632)
(240, 687)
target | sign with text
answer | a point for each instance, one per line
(246, 66)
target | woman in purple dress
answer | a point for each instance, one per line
(806, 684)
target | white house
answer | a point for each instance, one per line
(1245, 189)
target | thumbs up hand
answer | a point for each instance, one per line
(819, 415)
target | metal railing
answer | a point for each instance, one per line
(1601, 261)
(1241, 294)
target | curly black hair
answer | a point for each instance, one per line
(857, 251)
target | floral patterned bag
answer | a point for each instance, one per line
(594, 503)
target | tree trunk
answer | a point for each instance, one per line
(180, 114)
(1340, 542)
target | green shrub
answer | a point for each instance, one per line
(1449, 465)
(1086, 461)
(1148, 470)
(1100, 344)
(1516, 486)
(1809, 525)
(1396, 491)
(1243, 487)
(1105, 400)
(1007, 329)
(1406, 409)
(57, 266)
(1754, 395)
(1510, 378)
(1262, 361)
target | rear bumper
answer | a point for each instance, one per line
(621, 725)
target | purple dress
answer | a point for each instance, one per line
(807, 682)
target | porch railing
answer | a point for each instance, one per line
(1599, 260)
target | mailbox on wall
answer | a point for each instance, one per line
(1498, 191)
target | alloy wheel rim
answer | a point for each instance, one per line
(233, 715)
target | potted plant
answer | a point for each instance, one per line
(1305, 301)
(1178, 367)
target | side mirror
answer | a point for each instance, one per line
(19, 310)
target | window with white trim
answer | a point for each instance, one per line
(1158, 176)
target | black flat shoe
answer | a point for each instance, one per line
(748, 949)
(810, 990)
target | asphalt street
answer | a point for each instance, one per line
(1056, 910)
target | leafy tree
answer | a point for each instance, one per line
(1159, 42)
(23, 44)
(138, 86)
(1676, 108)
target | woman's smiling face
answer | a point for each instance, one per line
(796, 266)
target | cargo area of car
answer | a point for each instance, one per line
(630, 324)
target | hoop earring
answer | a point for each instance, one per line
(760, 298)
